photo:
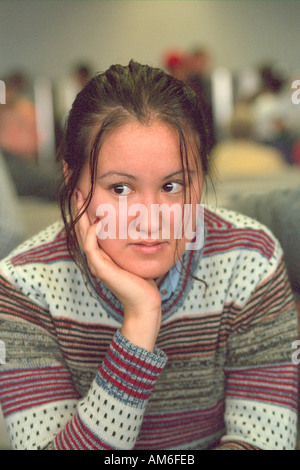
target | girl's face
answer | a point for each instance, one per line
(139, 168)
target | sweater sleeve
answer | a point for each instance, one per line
(261, 377)
(41, 406)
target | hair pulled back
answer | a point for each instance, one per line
(111, 99)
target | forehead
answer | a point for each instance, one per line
(135, 145)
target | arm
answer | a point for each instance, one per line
(110, 414)
(40, 403)
(261, 379)
(280, 212)
(140, 298)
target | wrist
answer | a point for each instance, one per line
(143, 330)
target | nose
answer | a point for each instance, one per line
(145, 221)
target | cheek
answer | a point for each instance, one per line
(111, 247)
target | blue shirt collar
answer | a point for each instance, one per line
(170, 282)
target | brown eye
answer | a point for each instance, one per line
(121, 189)
(172, 187)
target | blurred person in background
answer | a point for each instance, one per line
(296, 153)
(276, 118)
(240, 155)
(18, 130)
(175, 62)
(19, 142)
(67, 88)
(194, 68)
(12, 228)
(199, 79)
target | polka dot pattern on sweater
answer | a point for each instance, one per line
(261, 423)
(26, 431)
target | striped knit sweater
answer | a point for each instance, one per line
(221, 376)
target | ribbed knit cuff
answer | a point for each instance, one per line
(129, 372)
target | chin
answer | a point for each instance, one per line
(148, 273)
(146, 270)
(151, 267)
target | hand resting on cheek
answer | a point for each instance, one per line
(139, 297)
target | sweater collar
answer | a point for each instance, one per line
(179, 279)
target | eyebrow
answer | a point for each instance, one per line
(127, 175)
(115, 173)
(179, 172)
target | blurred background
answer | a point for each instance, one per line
(241, 57)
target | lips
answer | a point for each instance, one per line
(148, 247)
(148, 243)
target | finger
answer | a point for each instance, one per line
(99, 262)
(91, 240)
(78, 201)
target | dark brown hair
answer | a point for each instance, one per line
(109, 100)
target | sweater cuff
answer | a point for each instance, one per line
(129, 372)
